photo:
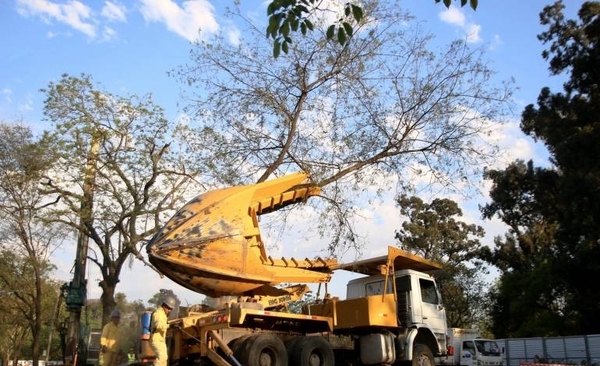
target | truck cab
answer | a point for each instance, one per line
(469, 349)
(418, 299)
(395, 309)
(474, 352)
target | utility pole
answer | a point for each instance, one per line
(75, 291)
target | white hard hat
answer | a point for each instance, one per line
(115, 314)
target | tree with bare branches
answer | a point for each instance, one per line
(120, 170)
(384, 109)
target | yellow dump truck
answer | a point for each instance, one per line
(393, 314)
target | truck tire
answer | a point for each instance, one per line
(237, 343)
(422, 356)
(262, 350)
(290, 344)
(312, 351)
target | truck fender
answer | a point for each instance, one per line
(409, 342)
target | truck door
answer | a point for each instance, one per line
(432, 312)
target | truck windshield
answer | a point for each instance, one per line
(487, 347)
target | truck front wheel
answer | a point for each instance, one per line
(262, 350)
(422, 356)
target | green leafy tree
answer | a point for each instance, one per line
(551, 252)
(26, 240)
(288, 16)
(14, 331)
(358, 118)
(531, 294)
(433, 231)
(121, 170)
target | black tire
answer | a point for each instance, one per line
(262, 350)
(235, 344)
(312, 351)
(422, 356)
(290, 344)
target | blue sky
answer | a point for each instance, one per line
(129, 46)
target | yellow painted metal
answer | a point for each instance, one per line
(368, 311)
(213, 244)
(375, 310)
(241, 316)
(396, 259)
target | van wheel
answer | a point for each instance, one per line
(262, 350)
(422, 356)
(312, 351)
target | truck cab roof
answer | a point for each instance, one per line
(400, 259)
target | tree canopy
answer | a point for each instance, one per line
(288, 16)
(383, 109)
(27, 240)
(121, 170)
(551, 252)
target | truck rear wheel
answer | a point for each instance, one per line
(312, 351)
(237, 343)
(262, 350)
(422, 356)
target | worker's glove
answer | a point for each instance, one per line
(103, 350)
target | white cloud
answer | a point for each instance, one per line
(233, 35)
(514, 144)
(108, 34)
(472, 31)
(114, 11)
(186, 21)
(455, 16)
(496, 43)
(74, 14)
(27, 105)
(7, 95)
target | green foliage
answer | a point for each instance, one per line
(287, 16)
(28, 309)
(122, 169)
(447, 3)
(26, 240)
(549, 256)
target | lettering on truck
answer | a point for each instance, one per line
(280, 300)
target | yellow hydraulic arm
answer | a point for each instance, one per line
(213, 244)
